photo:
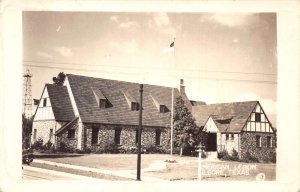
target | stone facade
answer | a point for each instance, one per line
(43, 130)
(106, 135)
(70, 143)
(248, 144)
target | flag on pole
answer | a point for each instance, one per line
(172, 44)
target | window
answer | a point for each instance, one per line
(157, 137)
(258, 140)
(45, 102)
(257, 117)
(163, 109)
(102, 103)
(227, 137)
(118, 136)
(134, 106)
(269, 141)
(51, 134)
(34, 134)
(95, 132)
(232, 137)
(71, 133)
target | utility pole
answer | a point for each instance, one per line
(27, 99)
(138, 177)
(172, 116)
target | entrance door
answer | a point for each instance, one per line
(212, 142)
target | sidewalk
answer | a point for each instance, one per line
(131, 174)
(60, 174)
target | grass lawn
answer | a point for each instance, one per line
(189, 171)
(186, 168)
(109, 161)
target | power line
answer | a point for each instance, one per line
(87, 70)
(102, 71)
(122, 66)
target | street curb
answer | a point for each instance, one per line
(63, 174)
(122, 173)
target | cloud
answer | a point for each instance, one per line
(129, 47)
(114, 18)
(44, 55)
(228, 19)
(161, 19)
(235, 40)
(63, 51)
(161, 23)
(130, 25)
(268, 105)
(126, 24)
(167, 49)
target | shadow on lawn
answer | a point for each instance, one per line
(54, 155)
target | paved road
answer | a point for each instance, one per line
(33, 173)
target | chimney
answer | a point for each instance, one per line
(182, 87)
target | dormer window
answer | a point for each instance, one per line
(163, 109)
(102, 103)
(134, 106)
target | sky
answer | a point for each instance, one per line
(222, 57)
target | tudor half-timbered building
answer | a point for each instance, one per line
(240, 126)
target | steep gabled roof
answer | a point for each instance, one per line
(60, 102)
(221, 122)
(116, 92)
(238, 112)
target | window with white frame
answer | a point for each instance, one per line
(269, 142)
(258, 140)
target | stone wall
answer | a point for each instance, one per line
(63, 138)
(43, 130)
(248, 144)
(106, 136)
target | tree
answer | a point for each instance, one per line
(60, 79)
(26, 131)
(185, 128)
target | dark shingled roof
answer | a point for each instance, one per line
(116, 92)
(67, 126)
(238, 112)
(60, 102)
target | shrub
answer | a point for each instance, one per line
(234, 155)
(223, 155)
(38, 144)
(47, 145)
(65, 148)
(249, 158)
(151, 149)
(203, 154)
(84, 151)
(111, 148)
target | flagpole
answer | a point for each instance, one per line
(172, 111)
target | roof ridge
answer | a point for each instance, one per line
(212, 104)
(98, 78)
